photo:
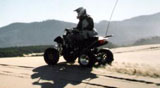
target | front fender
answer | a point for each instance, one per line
(59, 39)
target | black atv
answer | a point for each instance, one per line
(88, 51)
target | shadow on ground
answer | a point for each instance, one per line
(60, 75)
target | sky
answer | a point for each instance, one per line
(40, 10)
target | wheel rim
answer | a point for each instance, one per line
(84, 59)
(102, 57)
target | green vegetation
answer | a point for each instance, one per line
(20, 51)
(152, 40)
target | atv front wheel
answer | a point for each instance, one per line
(51, 56)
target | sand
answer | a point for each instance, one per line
(133, 67)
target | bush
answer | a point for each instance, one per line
(152, 40)
(20, 51)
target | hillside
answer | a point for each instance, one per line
(130, 30)
(42, 33)
(36, 33)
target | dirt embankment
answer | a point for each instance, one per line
(138, 60)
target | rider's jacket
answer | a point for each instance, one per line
(85, 23)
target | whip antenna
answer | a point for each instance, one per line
(111, 16)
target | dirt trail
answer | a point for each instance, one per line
(132, 68)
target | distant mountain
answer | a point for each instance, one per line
(130, 30)
(42, 33)
(36, 33)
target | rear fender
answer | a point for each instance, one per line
(97, 42)
(103, 40)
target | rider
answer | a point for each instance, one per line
(85, 25)
(85, 28)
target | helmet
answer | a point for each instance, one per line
(81, 12)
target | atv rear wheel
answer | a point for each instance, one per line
(104, 56)
(86, 60)
(69, 56)
(51, 56)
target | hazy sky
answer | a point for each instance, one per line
(40, 10)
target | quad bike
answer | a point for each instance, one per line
(88, 51)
